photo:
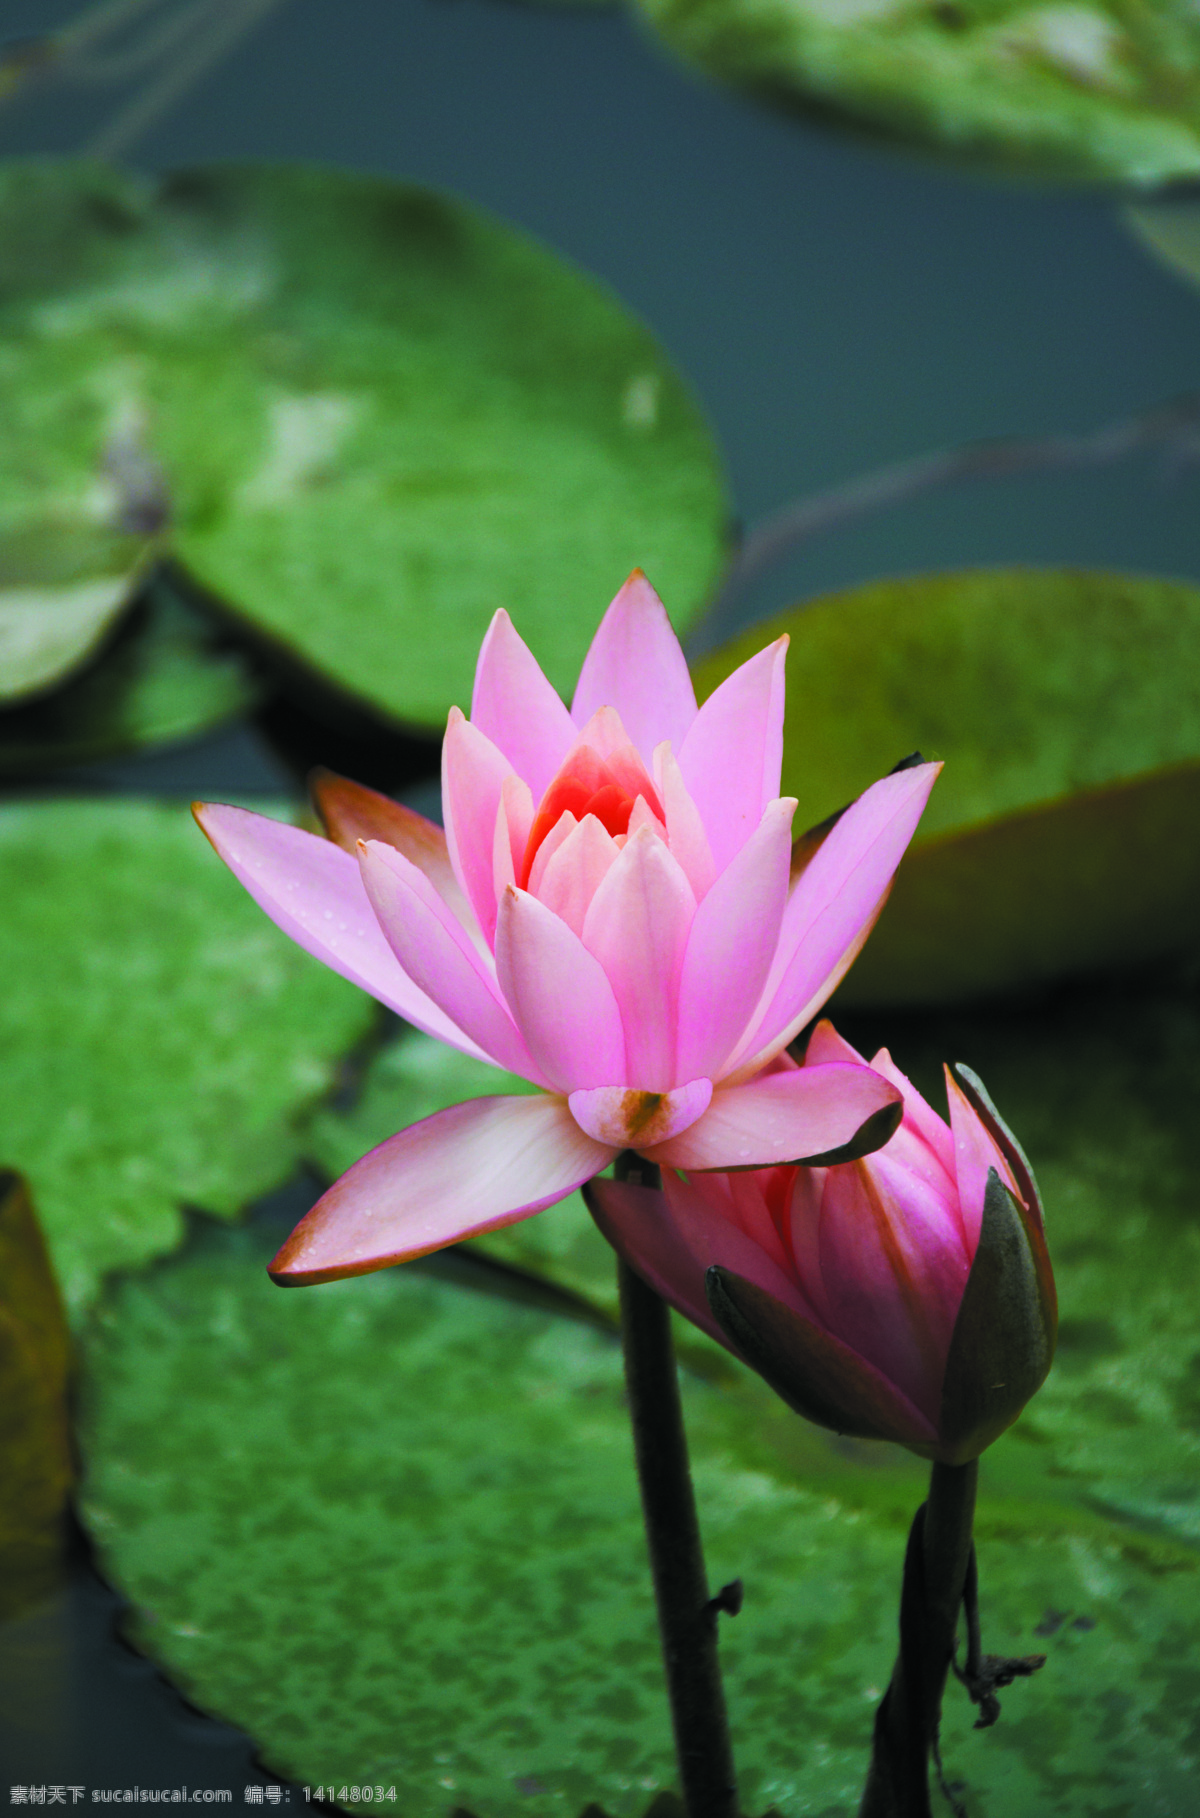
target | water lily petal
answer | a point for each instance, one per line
(733, 753)
(472, 1168)
(351, 812)
(438, 954)
(672, 1238)
(975, 1152)
(637, 927)
(559, 995)
(833, 906)
(780, 1117)
(731, 945)
(575, 870)
(517, 709)
(685, 830)
(473, 773)
(630, 1119)
(314, 892)
(635, 665)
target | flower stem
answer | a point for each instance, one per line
(687, 1616)
(907, 1721)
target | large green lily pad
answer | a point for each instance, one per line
(171, 674)
(377, 415)
(389, 1526)
(1085, 90)
(160, 1038)
(1062, 834)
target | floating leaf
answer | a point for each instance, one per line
(414, 1077)
(1097, 91)
(35, 1441)
(378, 415)
(1061, 835)
(61, 593)
(171, 674)
(159, 1038)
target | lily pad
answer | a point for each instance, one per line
(377, 415)
(60, 596)
(159, 1039)
(415, 1076)
(1061, 836)
(170, 674)
(35, 1440)
(1074, 88)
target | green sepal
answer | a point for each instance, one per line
(1003, 1341)
(35, 1443)
(814, 1373)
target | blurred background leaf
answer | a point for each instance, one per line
(1062, 834)
(160, 1039)
(62, 589)
(1100, 92)
(36, 1466)
(375, 414)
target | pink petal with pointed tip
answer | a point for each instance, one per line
(920, 1119)
(575, 871)
(516, 708)
(780, 1117)
(893, 1270)
(643, 815)
(974, 1154)
(637, 927)
(731, 945)
(635, 665)
(514, 817)
(472, 1168)
(733, 754)
(834, 902)
(473, 773)
(629, 1119)
(312, 890)
(606, 736)
(685, 830)
(562, 1002)
(438, 954)
(562, 829)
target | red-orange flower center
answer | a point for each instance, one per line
(587, 784)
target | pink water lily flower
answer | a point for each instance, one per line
(610, 914)
(906, 1296)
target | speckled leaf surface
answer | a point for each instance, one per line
(170, 674)
(399, 1456)
(160, 1038)
(1062, 834)
(1101, 92)
(415, 1076)
(376, 415)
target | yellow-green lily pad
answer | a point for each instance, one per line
(376, 415)
(61, 594)
(35, 1440)
(160, 1039)
(1064, 832)
(170, 674)
(1074, 88)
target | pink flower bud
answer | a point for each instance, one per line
(906, 1296)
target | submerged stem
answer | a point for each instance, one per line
(687, 1617)
(935, 1572)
